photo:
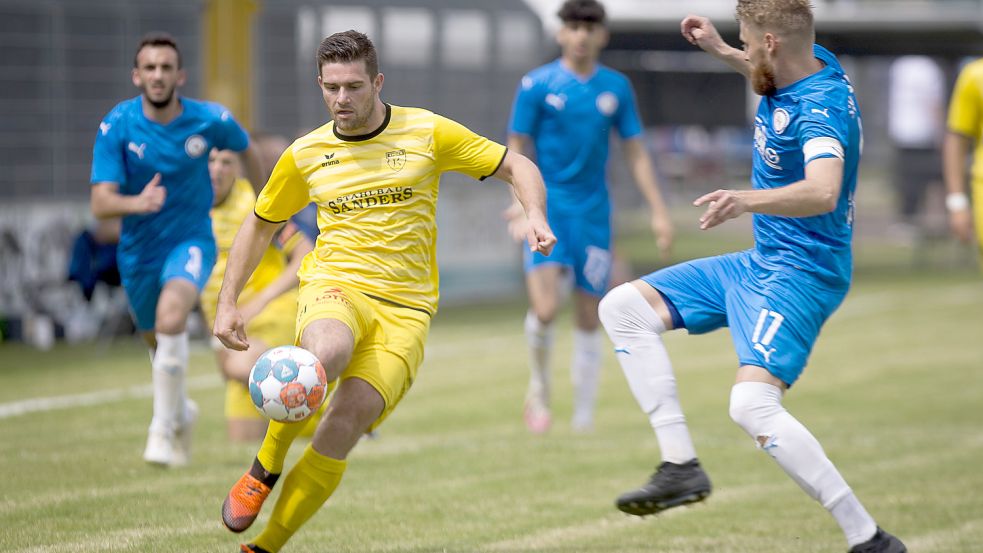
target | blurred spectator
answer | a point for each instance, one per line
(964, 129)
(915, 122)
(94, 256)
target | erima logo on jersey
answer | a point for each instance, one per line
(104, 128)
(607, 103)
(557, 101)
(138, 150)
(330, 160)
(194, 146)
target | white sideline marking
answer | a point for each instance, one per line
(201, 382)
(36, 405)
(870, 304)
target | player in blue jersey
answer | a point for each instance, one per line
(564, 112)
(150, 167)
(775, 296)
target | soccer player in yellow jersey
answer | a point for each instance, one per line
(269, 297)
(965, 128)
(369, 288)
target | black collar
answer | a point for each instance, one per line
(373, 134)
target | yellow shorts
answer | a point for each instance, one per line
(389, 339)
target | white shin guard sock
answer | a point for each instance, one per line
(585, 370)
(635, 328)
(757, 408)
(169, 367)
(540, 339)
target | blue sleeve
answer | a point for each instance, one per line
(229, 134)
(108, 163)
(629, 124)
(823, 131)
(525, 108)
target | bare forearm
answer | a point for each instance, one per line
(107, 204)
(955, 148)
(644, 173)
(529, 187)
(733, 57)
(799, 199)
(252, 239)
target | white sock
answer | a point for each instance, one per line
(585, 370)
(169, 367)
(540, 339)
(635, 329)
(757, 408)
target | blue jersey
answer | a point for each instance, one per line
(569, 119)
(130, 149)
(813, 118)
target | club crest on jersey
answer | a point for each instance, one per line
(396, 159)
(607, 103)
(194, 146)
(779, 120)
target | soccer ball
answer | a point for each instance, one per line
(287, 384)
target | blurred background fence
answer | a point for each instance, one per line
(65, 63)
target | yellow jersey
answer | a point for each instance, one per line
(227, 217)
(966, 111)
(377, 199)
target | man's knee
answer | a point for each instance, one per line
(626, 314)
(752, 406)
(332, 342)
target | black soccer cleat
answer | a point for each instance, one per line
(882, 542)
(670, 486)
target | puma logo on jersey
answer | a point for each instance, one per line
(557, 101)
(104, 128)
(824, 112)
(138, 150)
(764, 351)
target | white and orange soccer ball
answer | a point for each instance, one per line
(287, 384)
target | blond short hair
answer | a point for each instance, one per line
(780, 16)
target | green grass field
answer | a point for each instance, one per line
(893, 392)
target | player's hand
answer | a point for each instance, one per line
(961, 225)
(723, 205)
(151, 198)
(539, 236)
(230, 328)
(518, 225)
(699, 31)
(664, 233)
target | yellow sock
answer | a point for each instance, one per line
(307, 486)
(276, 444)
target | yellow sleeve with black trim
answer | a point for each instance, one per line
(286, 193)
(457, 148)
(964, 109)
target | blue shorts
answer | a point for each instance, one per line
(191, 260)
(583, 244)
(774, 316)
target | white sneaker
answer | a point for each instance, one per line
(160, 448)
(582, 423)
(181, 446)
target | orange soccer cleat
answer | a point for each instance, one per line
(242, 505)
